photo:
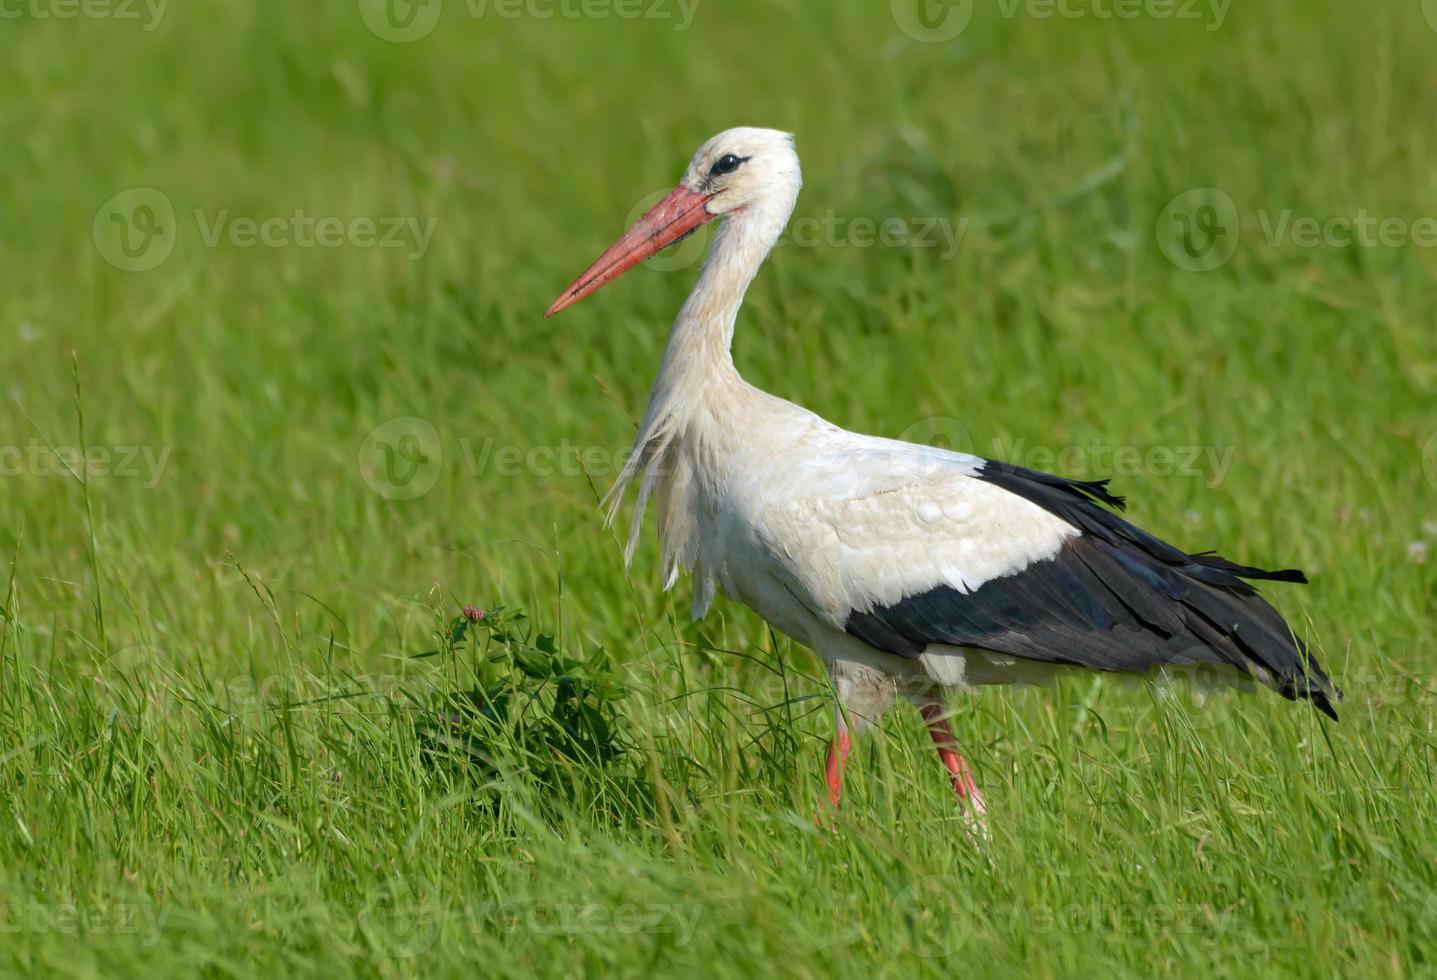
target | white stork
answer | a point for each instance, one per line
(907, 568)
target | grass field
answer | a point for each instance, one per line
(287, 263)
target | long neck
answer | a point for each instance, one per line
(697, 370)
(701, 340)
(698, 360)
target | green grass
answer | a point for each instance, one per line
(211, 698)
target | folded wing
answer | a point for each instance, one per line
(944, 548)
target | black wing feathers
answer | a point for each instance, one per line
(1114, 598)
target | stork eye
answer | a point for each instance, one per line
(726, 164)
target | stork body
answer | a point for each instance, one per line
(909, 569)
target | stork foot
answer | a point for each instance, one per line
(975, 819)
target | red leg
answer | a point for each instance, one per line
(837, 759)
(956, 765)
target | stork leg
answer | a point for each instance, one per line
(963, 785)
(837, 760)
(860, 695)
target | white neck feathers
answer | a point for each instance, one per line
(697, 379)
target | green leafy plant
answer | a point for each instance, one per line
(519, 699)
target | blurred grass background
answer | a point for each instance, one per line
(172, 630)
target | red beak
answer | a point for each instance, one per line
(665, 223)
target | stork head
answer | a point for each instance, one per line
(743, 170)
(743, 167)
